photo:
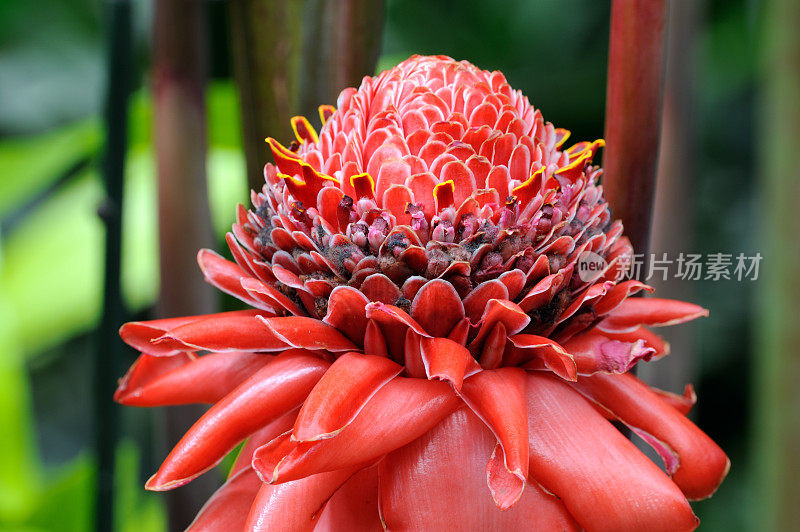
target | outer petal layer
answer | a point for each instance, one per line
(437, 482)
(603, 480)
(276, 389)
(651, 311)
(341, 394)
(227, 509)
(498, 397)
(219, 373)
(296, 505)
(701, 465)
(400, 412)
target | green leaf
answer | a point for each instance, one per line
(30, 164)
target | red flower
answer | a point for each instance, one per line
(422, 353)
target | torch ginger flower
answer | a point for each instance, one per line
(422, 353)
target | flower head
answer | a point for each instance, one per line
(422, 352)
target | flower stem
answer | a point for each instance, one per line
(777, 351)
(179, 70)
(109, 349)
(633, 113)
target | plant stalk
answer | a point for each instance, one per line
(633, 113)
(109, 347)
(777, 351)
(179, 76)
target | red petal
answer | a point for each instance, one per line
(227, 276)
(266, 293)
(228, 507)
(542, 293)
(340, 395)
(395, 200)
(230, 331)
(400, 412)
(545, 354)
(702, 464)
(595, 352)
(346, 312)
(219, 372)
(493, 347)
(307, 333)
(650, 311)
(603, 480)
(389, 314)
(147, 369)
(498, 398)
(501, 310)
(412, 356)
(374, 342)
(294, 506)
(438, 482)
(354, 506)
(378, 287)
(437, 308)
(476, 301)
(618, 294)
(650, 339)
(682, 403)
(141, 334)
(261, 437)
(394, 324)
(279, 387)
(447, 360)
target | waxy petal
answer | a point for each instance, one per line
(354, 506)
(307, 333)
(538, 352)
(438, 482)
(501, 311)
(644, 334)
(148, 369)
(437, 308)
(498, 398)
(595, 352)
(602, 479)
(447, 360)
(701, 465)
(231, 331)
(227, 276)
(296, 505)
(141, 335)
(401, 411)
(651, 311)
(219, 373)
(347, 313)
(262, 437)
(228, 507)
(339, 396)
(276, 389)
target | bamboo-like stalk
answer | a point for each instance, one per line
(313, 50)
(109, 348)
(672, 212)
(179, 70)
(267, 41)
(633, 113)
(341, 44)
(777, 350)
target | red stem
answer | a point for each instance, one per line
(179, 64)
(633, 113)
